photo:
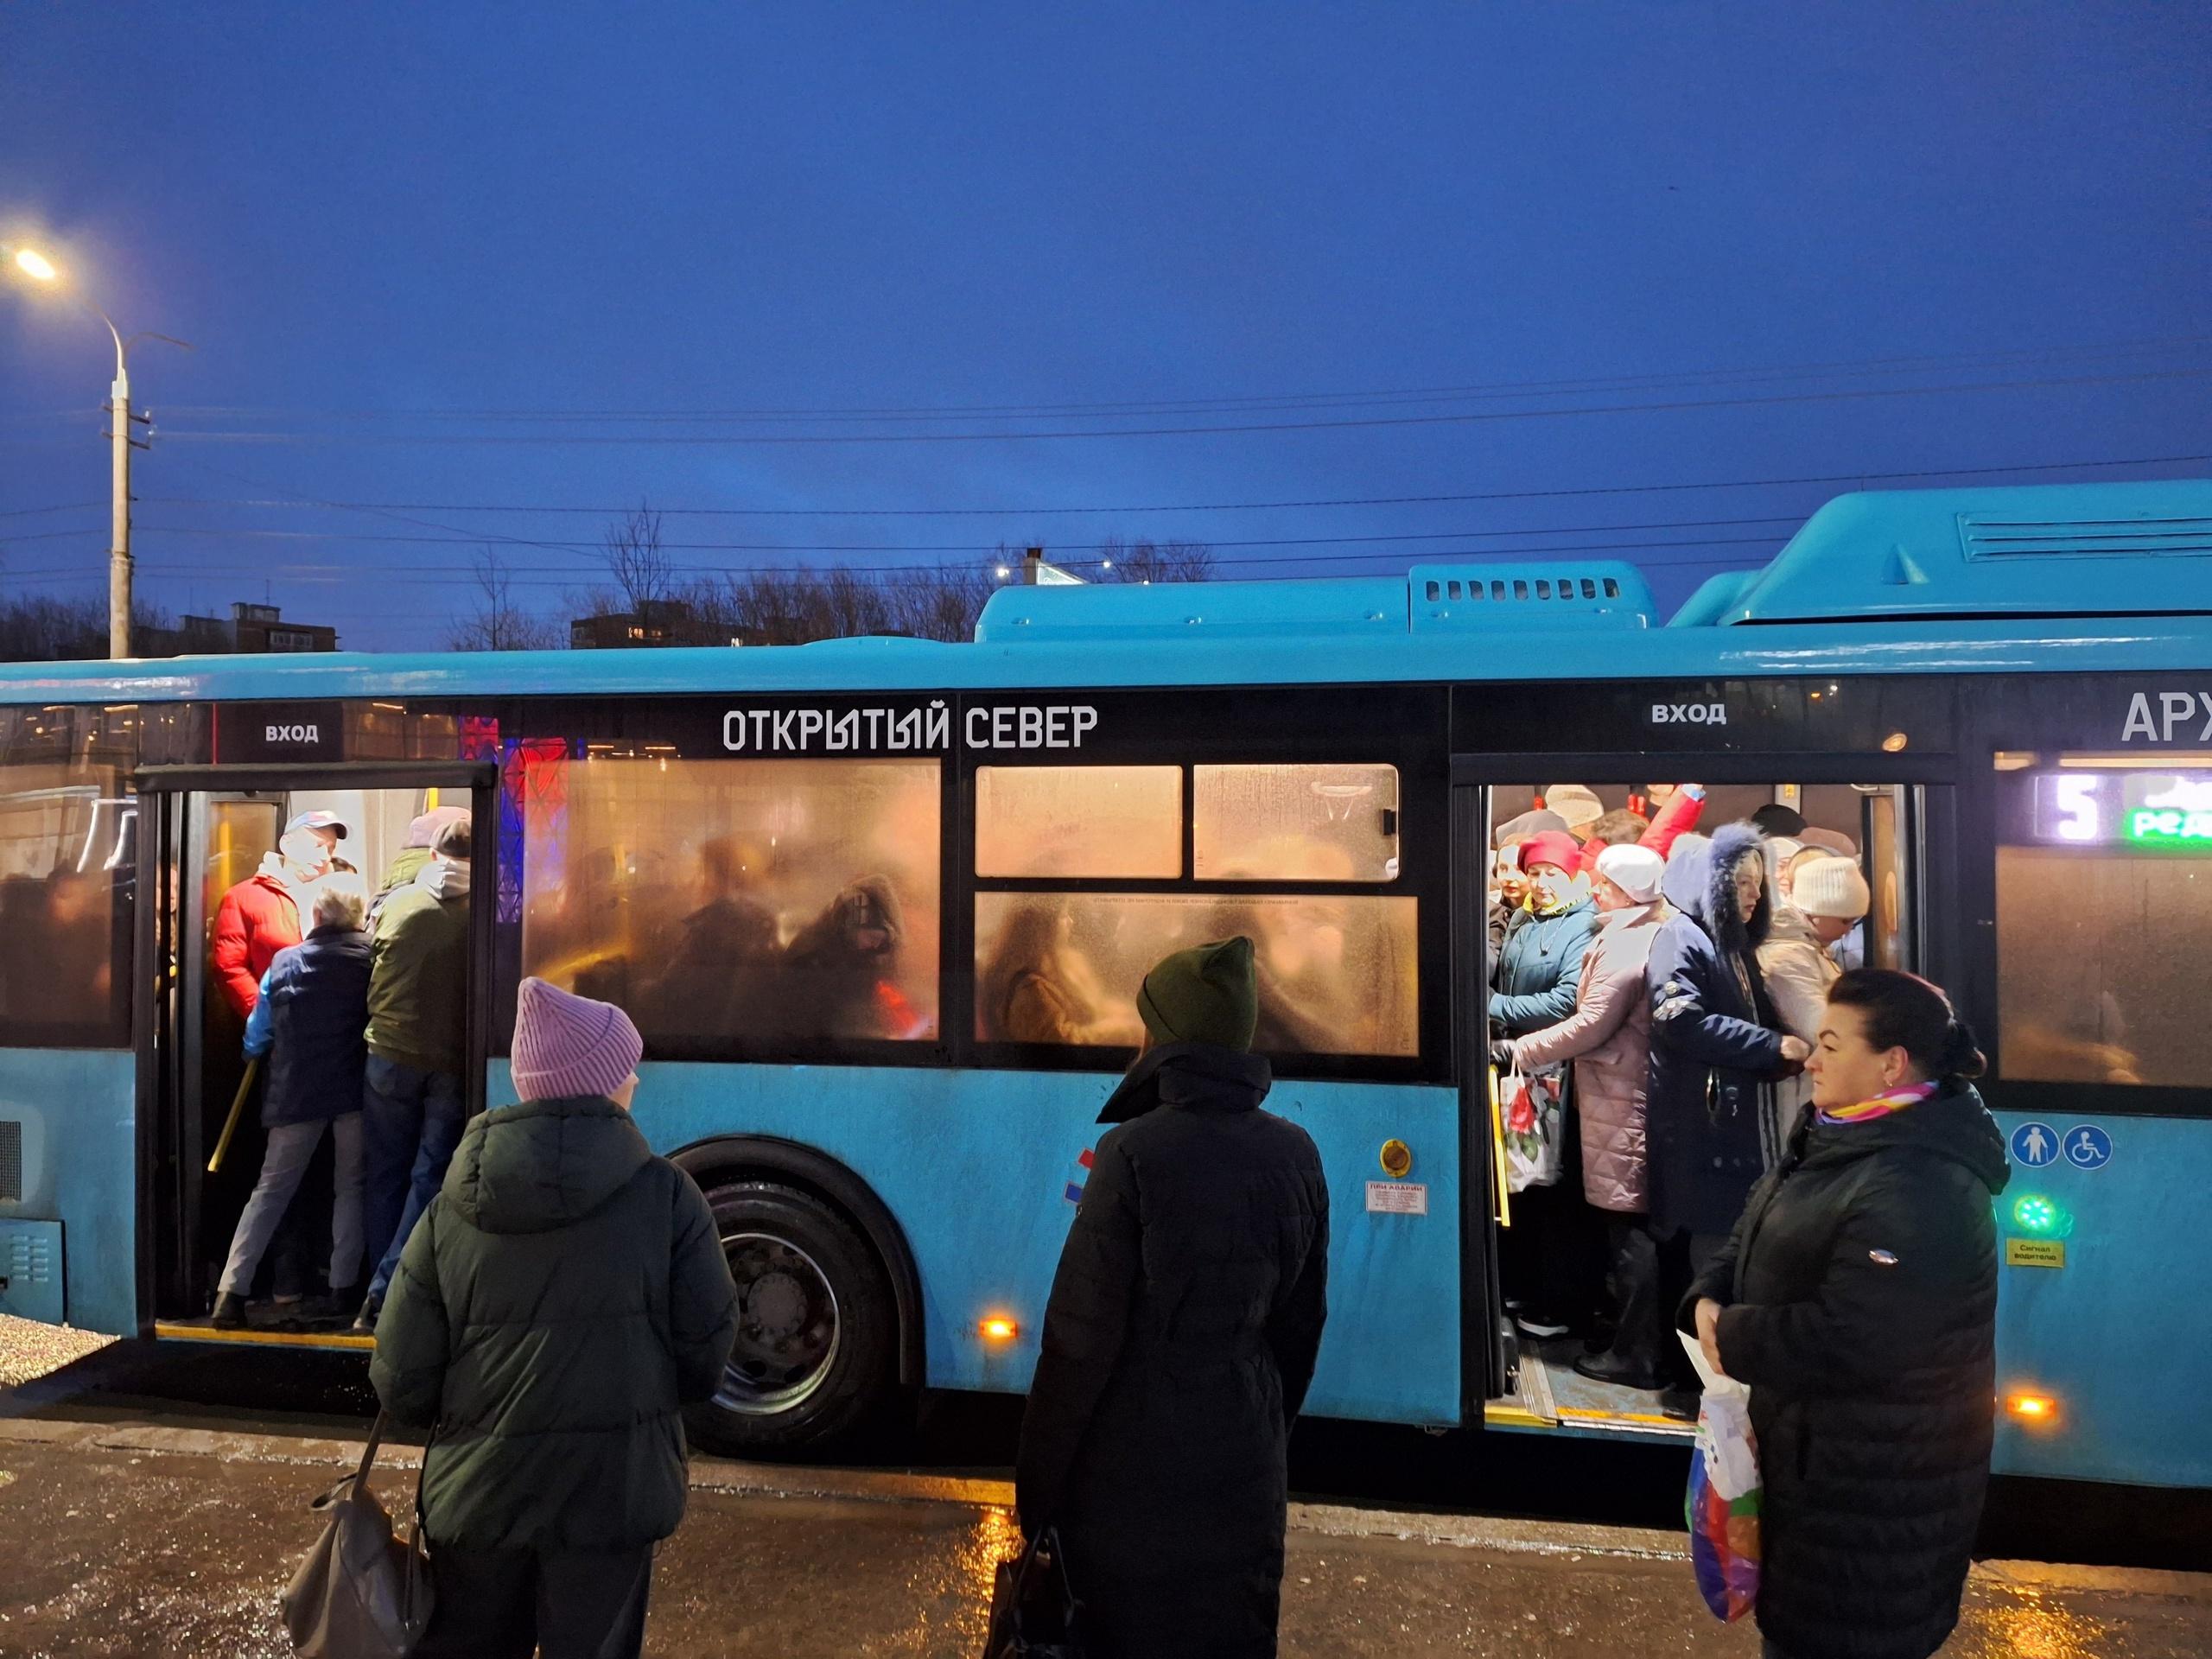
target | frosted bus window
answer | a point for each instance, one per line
(67, 860)
(1337, 973)
(1079, 820)
(2096, 949)
(1295, 823)
(758, 906)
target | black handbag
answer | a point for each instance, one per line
(1034, 1612)
(362, 1592)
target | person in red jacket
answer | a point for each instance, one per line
(260, 915)
(255, 919)
(1654, 819)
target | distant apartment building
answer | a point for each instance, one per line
(251, 630)
(654, 622)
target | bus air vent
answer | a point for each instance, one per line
(30, 1270)
(11, 1161)
(1529, 597)
(2007, 536)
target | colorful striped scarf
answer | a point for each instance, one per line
(1896, 1100)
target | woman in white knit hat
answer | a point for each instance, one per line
(1608, 1037)
(1827, 896)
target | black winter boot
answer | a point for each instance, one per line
(230, 1311)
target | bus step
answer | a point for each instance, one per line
(261, 1337)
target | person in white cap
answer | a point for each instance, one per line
(1827, 897)
(562, 1299)
(1576, 805)
(1608, 1038)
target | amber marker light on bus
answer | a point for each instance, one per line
(2037, 1410)
(999, 1328)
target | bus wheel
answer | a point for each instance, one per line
(816, 1325)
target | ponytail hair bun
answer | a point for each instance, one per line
(1963, 1056)
(1905, 1011)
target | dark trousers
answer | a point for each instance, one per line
(501, 1603)
(1551, 1260)
(1640, 1336)
(411, 1120)
(1681, 1258)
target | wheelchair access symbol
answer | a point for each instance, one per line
(2034, 1145)
(2088, 1147)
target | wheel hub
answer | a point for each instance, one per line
(789, 1327)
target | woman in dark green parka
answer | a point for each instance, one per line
(562, 1298)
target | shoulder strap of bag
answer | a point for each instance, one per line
(369, 1452)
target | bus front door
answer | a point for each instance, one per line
(216, 830)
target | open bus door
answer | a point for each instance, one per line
(205, 829)
(1897, 809)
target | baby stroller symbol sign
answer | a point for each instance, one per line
(2088, 1147)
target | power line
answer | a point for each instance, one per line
(29, 513)
(1669, 406)
(1860, 476)
(926, 547)
(445, 574)
(1995, 357)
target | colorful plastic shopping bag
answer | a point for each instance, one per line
(1536, 1129)
(1725, 1493)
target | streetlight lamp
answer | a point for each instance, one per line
(36, 266)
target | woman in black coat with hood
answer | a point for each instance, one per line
(1180, 1335)
(1716, 1047)
(1857, 1299)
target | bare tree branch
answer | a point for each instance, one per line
(640, 568)
(496, 622)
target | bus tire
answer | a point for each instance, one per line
(818, 1327)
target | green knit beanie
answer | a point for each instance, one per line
(1205, 995)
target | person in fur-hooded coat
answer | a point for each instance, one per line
(1716, 1043)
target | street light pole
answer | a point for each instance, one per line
(39, 269)
(118, 554)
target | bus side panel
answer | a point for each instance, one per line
(976, 1167)
(80, 1161)
(2119, 1336)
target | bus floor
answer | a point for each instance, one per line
(1552, 1394)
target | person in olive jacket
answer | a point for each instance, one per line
(1181, 1334)
(563, 1296)
(1857, 1299)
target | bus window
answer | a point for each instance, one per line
(752, 907)
(1079, 820)
(1338, 973)
(2101, 896)
(1295, 822)
(66, 865)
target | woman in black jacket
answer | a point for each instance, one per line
(1857, 1299)
(1180, 1335)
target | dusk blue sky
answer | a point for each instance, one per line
(377, 225)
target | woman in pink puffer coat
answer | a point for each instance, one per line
(1608, 1038)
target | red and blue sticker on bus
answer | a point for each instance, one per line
(1074, 1194)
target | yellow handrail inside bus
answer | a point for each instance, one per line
(1497, 1155)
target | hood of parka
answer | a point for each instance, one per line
(544, 1164)
(1700, 881)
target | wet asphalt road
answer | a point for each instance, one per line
(1500, 1474)
(114, 1552)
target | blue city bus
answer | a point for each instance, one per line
(880, 906)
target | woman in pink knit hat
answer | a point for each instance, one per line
(561, 1300)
